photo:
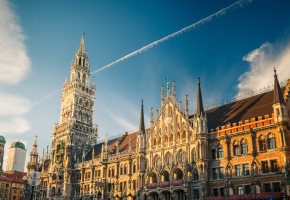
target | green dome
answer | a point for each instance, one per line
(2, 139)
(18, 145)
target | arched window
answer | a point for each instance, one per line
(113, 172)
(79, 76)
(244, 147)
(81, 101)
(121, 170)
(110, 172)
(125, 169)
(168, 158)
(84, 78)
(181, 156)
(262, 143)
(86, 118)
(84, 61)
(171, 137)
(166, 140)
(193, 156)
(134, 167)
(236, 148)
(80, 61)
(87, 104)
(271, 141)
(159, 140)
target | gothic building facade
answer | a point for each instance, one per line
(234, 149)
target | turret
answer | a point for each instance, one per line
(279, 105)
(162, 97)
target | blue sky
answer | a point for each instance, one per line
(233, 53)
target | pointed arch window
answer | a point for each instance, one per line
(84, 62)
(262, 144)
(110, 171)
(86, 118)
(193, 156)
(271, 141)
(113, 172)
(80, 61)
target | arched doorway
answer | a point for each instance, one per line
(165, 176)
(178, 174)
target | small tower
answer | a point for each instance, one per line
(141, 133)
(201, 121)
(279, 105)
(33, 157)
(2, 145)
(16, 158)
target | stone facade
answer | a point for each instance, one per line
(238, 148)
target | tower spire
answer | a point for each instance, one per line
(82, 48)
(278, 96)
(200, 110)
(142, 125)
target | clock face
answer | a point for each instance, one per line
(67, 100)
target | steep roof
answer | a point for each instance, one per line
(278, 96)
(19, 175)
(246, 109)
(123, 146)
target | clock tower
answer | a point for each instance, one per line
(75, 134)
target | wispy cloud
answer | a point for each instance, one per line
(42, 99)
(262, 61)
(201, 22)
(122, 121)
(14, 66)
(14, 61)
(11, 105)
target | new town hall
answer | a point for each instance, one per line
(235, 149)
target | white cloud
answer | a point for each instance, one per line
(16, 125)
(11, 105)
(262, 61)
(14, 61)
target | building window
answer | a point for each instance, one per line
(220, 153)
(125, 169)
(248, 189)
(121, 170)
(267, 187)
(213, 154)
(276, 187)
(222, 192)
(7, 185)
(238, 170)
(134, 167)
(15, 191)
(263, 146)
(244, 148)
(193, 156)
(274, 165)
(271, 142)
(6, 191)
(246, 169)
(265, 167)
(222, 172)
(215, 173)
(236, 150)
(195, 175)
(196, 194)
(240, 190)
(215, 192)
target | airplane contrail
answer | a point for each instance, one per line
(42, 99)
(201, 22)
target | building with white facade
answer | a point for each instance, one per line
(16, 158)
